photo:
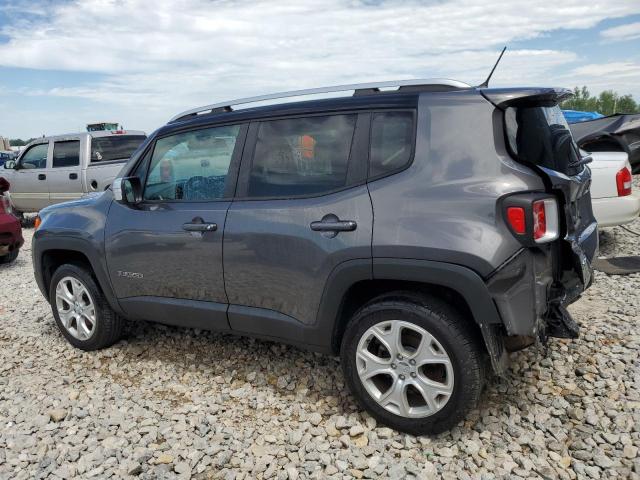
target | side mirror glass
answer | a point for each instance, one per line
(10, 164)
(4, 185)
(127, 191)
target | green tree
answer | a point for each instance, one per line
(627, 104)
(18, 142)
(607, 103)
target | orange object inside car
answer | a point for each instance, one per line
(307, 146)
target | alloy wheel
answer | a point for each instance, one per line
(405, 369)
(75, 308)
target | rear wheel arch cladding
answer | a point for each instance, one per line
(466, 283)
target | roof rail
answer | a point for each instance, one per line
(226, 106)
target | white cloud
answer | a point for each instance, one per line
(623, 77)
(630, 31)
(225, 36)
(156, 58)
(611, 69)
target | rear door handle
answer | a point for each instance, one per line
(338, 226)
(42, 176)
(73, 176)
(199, 225)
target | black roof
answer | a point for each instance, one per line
(382, 100)
(402, 98)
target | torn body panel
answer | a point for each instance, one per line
(556, 273)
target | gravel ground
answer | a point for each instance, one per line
(167, 402)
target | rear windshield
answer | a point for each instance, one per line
(116, 147)
(541, 136)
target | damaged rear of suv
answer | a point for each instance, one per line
(556, 227)
(419, 233)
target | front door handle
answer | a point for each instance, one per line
(42, 176)
(199, 225)
(73, 176)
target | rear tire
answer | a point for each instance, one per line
(10, 257)
(81, 311)
(433, 373)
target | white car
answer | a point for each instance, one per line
(612, 197)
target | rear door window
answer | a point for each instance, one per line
(114, 147)
(66, 154)
(35, 157)
(541, 136)
(301, 156)
(391, 142)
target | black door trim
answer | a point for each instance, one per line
(177, 311)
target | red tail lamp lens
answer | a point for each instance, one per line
(515, 216)
(623, 182)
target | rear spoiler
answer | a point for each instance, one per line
(525, 97)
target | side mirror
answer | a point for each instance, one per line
(127, 191)
(10, 164)
(4, 185)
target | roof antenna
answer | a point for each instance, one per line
(485, 84)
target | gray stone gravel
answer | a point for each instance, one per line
(173, 403)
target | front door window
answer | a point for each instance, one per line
(192, 166)
(35, 157)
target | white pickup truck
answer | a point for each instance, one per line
(64, 167)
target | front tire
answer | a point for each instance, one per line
(413, 362)
(81, 311)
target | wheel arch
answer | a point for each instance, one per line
(353, 284)
(50, 253)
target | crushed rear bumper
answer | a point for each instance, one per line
(521, 289)
(532, 300)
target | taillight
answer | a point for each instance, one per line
(545, 220)
(539, 220)
(532, 217)
(623, 182)
(516, 218)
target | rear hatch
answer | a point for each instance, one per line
(538, 135)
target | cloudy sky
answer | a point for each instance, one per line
(66, 63)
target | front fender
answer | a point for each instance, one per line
(45, 243)
(76, 226)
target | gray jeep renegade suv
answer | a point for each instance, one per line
(419, 233)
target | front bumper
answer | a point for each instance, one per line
(10, 233)
(613, 211)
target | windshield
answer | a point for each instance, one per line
(115, 147)
(541, 136)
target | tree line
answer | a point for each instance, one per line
(18, 142)
(607, 103)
